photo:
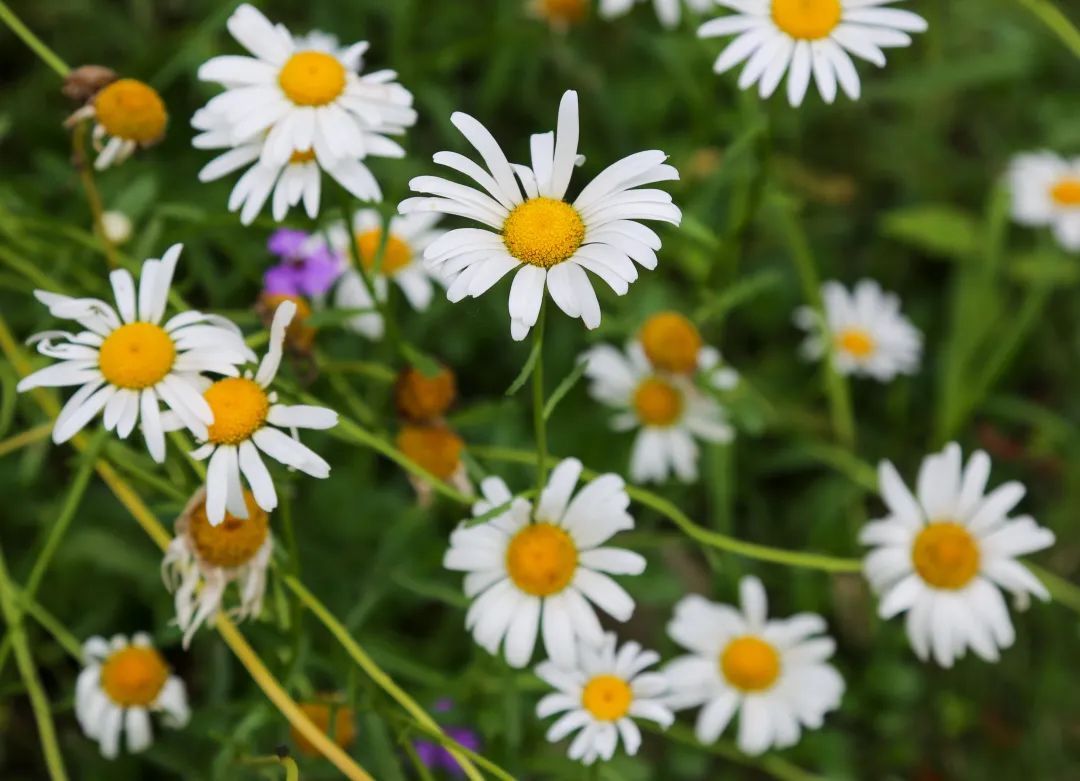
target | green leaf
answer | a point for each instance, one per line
(936, 229)
(1045, 268)
(568, 382)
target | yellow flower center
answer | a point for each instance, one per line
(312, 78)
(946, 555)
(319, 712)
(136, 356)
(607, 697)
(541, 559)
(562, 12)
(856, 341)
(807, 19)
(240, 407)
(419, 397)
(233, 542)
(436, 448)
(543, 232)
(133, 676)
(1066, 192)
(302, 156)
(657, 402)
(750, 664)
(131, 110)
(671, 342)
(396, 256)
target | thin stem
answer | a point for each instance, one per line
(93, 197)
(1055, 19)
(26, 438)
(1060, 589)
(47, 55)
(50, 623)
(539, 427)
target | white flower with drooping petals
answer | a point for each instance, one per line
(668, 11)
(1046, 192)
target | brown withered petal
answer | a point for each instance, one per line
(85, 81)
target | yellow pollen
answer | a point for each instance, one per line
(657, 402)
(133, 676)
(856, 341)
(436, 448)
(136, 356)
(312, 78)
(543, 232)
(945, 555)
(131, 110)
(240, 407)
(750, 664)
(671, 342)
(562, 12)
(807, 20)
(233, 542)
(420, 398)
(1066, 192)
(607, 697)
(302, 156)
(541, 559)
(396, 256)
(319, 713)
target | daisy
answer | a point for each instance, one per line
(601, 697)
(409, 237)
(118, 688)
(773, 672)
(247, 421)
(127, 114)
(668, 11)
(529, 574)
(203, 559)
(660, 386)
(1046, 191)
(808, 37)
(868, 335)
(126, 363)
(944, 555)
(533, 231)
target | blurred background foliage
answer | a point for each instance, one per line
(902, 186)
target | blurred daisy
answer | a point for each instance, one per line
(534, 232)
(121, 684)
(774, 673)
(126, 363)
(1046, 191)
(868, 335)
(601, 696)
(203, 559)
(248, 421)
(943, 556)
(668, 11)
(804, 37)
(127, 115)
(538, 574)
(409, 237)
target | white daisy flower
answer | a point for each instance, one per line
(538, 574)
(808, 37)
(868, 334)
(121, 684)
(1046, 191)
(943, 556)
(668, 11)
(126, 363)
(774, 673)
(534, 231)
(203, 559)
(247, 421)
(127, 115)
(601, 696)
(409, 236)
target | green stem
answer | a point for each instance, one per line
(771, 765)
(1055, 19)
(538, 403)
(25, 438)
(448, 742)
(1060, 589)
(50, 623)
(47, 55)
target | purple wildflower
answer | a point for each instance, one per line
(436, 757)
(307, 268)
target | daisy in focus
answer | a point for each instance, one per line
(658, 386)
(530, 575)
(127, 115)
(668, 11)
(944, 555)
(203, 559)
(601, 696)
(864, 330)
(1046, 192)
(120, 686)
(532, 230)
(773, 673)
(808, 37)
(126, 363)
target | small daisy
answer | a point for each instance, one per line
(1046, 191)
(203, 559)
(120, 685)
(409, 237)
(944, 555)
(774, 673)
(656, 385)
(668, 11)
(869, 335)
(533, 231)
(538, 574)
(808, 37)
(126, 363)
(126, 112)
(248, 419)
(601, 697)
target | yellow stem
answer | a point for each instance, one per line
(93, 198)
(28, 437)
